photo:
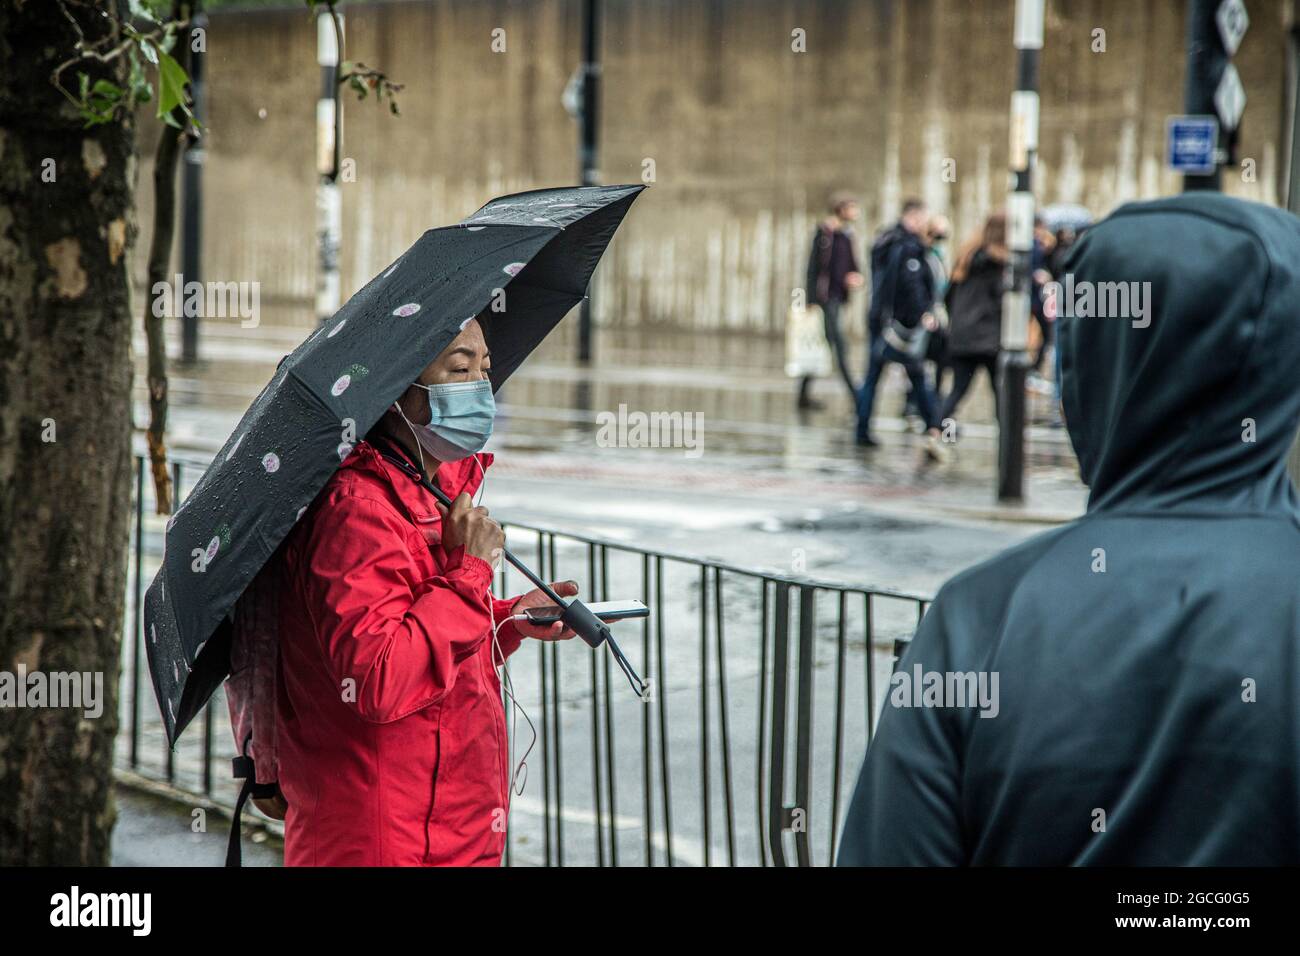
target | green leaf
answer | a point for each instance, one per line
(139, 8)
(141, 89)
(172, 81)
(107, 90)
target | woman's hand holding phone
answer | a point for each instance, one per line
(539, 598)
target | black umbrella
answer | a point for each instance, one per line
(540, 246)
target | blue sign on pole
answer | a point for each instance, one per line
(1190, 144)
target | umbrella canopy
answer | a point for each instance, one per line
(1066, 216)
(540, 247)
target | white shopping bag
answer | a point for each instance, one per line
(806, 349)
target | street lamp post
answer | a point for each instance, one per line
(587, 141)
(1014, 358)
(192, 179)
(329, 204)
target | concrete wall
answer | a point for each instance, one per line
(746, 136)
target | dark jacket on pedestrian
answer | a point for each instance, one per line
(1148, 653)
(975, 308)
(902, 283)
(830, 261)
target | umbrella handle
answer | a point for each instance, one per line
(523, 568)
(576, 615)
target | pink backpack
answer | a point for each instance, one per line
(251, 693)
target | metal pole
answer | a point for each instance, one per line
(587, 141)
(1014, 358)
(192, 193)
(1206, 60)
(329, 205)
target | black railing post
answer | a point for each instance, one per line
(136, 625)
(776, 810)
(803, 740)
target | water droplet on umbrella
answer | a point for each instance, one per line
(270, 461)
(409, 309)
(513, 269)
(341, 385)
(335, 331)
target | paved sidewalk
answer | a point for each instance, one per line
(154, 830)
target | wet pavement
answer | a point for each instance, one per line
(154, 830)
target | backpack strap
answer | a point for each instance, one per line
(242, 768)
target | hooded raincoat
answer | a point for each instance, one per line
(391, 730)
(1148, 654)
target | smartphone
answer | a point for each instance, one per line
(607, 611)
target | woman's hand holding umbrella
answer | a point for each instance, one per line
(467, 526)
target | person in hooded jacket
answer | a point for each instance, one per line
(391, 728)
(974, 301)
(1147, 654)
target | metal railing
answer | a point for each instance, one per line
(764, 692)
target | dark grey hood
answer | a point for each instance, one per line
(1160, 401)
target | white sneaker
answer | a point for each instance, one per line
(937, 451)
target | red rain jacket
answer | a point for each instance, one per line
(391, 729)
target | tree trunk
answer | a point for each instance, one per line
(66, 224)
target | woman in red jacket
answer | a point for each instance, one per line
(391, 730)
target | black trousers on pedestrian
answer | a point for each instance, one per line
(964, 368)
(835, 338)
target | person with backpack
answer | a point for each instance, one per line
(832, 275)
(900, 318)
(389, 738)
(974, 302)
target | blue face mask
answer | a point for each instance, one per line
(460, 419)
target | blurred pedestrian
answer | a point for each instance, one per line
(902, 310)
(1041, 275)
(1120, 691)
(832, 275)
(975, 310)
(937, 231)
